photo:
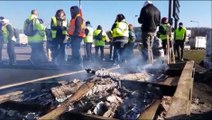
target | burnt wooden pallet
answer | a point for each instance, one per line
(181, 100)
(182, 95)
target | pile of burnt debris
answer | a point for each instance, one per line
(107, 94)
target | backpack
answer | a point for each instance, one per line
(28, 30)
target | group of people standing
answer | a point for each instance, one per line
(62, 33)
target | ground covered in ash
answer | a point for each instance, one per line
(201, 106)
(202, 94)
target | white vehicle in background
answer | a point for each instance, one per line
(23, 40)
(199, 42)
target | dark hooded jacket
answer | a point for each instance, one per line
(149, 18)
(74, 11)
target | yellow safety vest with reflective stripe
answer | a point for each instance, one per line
(102, 41)
(6, 34)
(64, 32)
(180, 34)
(40, 35)
(121, 29)
(89, 37)
(165, 27)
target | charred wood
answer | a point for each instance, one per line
(54, 114)
(10, 96)
(64, 91)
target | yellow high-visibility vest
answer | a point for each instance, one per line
(64, 32)
(165, 27)
(6, 34)
(121, 29)
(180, 34)
(40, 35)
(102, 41)
(89, 37)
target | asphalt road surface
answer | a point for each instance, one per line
(24, 71)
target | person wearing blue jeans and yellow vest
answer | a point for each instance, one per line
(180, 37)
(120, 38)
(9, 38)
(36, 41)
(99, 40)
(59, 33)
(88, 40)
(77, 33)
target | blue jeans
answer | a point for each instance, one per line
(76, 55)
(10, 51)
(118, 51)
(88, 47)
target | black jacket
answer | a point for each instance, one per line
(149, 18)
(59, 28)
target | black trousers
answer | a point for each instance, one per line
(164, 45)
(179, 46)
(58, 51)
(101, 48)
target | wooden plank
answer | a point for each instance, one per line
(150, 112)
(54, 114)
(170, 81)
(182, 98)
(10, 96)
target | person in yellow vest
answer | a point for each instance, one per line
(100, 37)
(88, 40)
(120, 38)
(36, 41)
(180, 37)
(164, 31)
(9, 39)
(1, 39)
(76, 32)
(59, 25)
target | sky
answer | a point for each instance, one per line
(104, 12)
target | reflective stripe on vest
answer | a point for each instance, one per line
(180, 33)
(165, 27)
(64, 32)
(121, 29)
(89, 37)
(72, 27)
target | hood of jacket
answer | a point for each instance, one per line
(74, 11)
